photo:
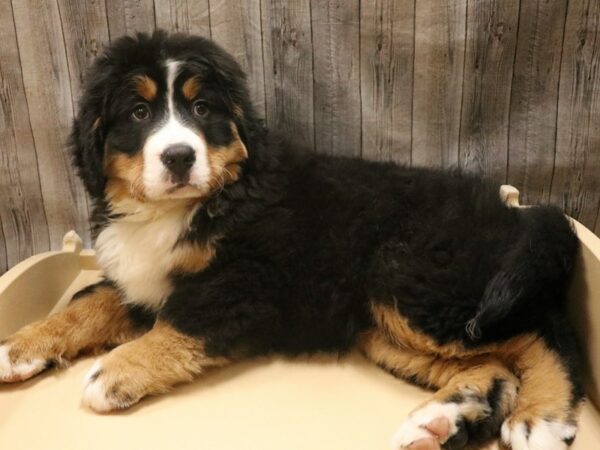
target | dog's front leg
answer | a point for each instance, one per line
(94, 321)
(151, 364)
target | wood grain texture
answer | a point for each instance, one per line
(3, 253)
(336, 59)
(508, 88)
(576, 182)
(533, 107)
(85, 30)
(129, 17)
(386, 79)
(189, 16)
(23, 225)
(288, 65)
(490, 51)
(439, 62)
(48, 94)
(236, 26)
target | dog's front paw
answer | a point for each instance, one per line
(18, 364)
(111, 384)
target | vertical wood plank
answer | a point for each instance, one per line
(236, 26)
(189, 16)
(48, 93)
(439, 61)
(288, 63)
(3, 252)
(576, 182)
(386, 78)
(336, 59)
(533, 107)
(129, 17)
(23, 225)
(490, 53)
(85, 31)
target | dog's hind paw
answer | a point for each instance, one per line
(538, 435)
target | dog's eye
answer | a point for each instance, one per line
(140, 112)
(200, 108)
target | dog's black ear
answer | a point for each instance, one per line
(87, 137)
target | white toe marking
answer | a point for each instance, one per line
(413, 428)
(94, 391)
(516, 436)
(18, 372)
(544, 435)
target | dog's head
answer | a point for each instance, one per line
(162, 117)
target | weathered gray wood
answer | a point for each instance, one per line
(288, 67)
(85, 33)
(48, 93)
(534, 98)
(85, 30)
(3, 254)
(236, 26)
(439, 62)
(23, 225)
(355, 98)
(386, 84)
(129, 17)
(490, 51)
(336, 60)
(576, 182)
(190, 16)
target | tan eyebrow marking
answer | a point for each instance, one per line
(145, 87)
(191, 87)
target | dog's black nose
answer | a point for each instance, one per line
(179, 159)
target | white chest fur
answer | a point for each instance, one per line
(139, 252)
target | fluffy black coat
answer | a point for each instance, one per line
(308, 241)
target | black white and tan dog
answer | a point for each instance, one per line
(221, 241)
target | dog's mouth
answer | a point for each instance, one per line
(183, 190)
(177, 187)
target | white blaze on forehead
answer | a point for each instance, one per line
(172, 132)
(172, 69)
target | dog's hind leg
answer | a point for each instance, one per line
(93, 321)
(546, 413)
(475, 394)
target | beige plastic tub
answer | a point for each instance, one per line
(271, 404)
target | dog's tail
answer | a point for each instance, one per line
(533, 277)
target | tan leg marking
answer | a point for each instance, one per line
(544, 416)
(89, 324)
(545, 386)
(464, 377)
(543, 405)
(152, 364)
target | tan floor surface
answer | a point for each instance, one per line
(267, 405)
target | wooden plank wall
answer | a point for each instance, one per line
(506, 88)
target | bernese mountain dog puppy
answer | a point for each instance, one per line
(221, 241)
